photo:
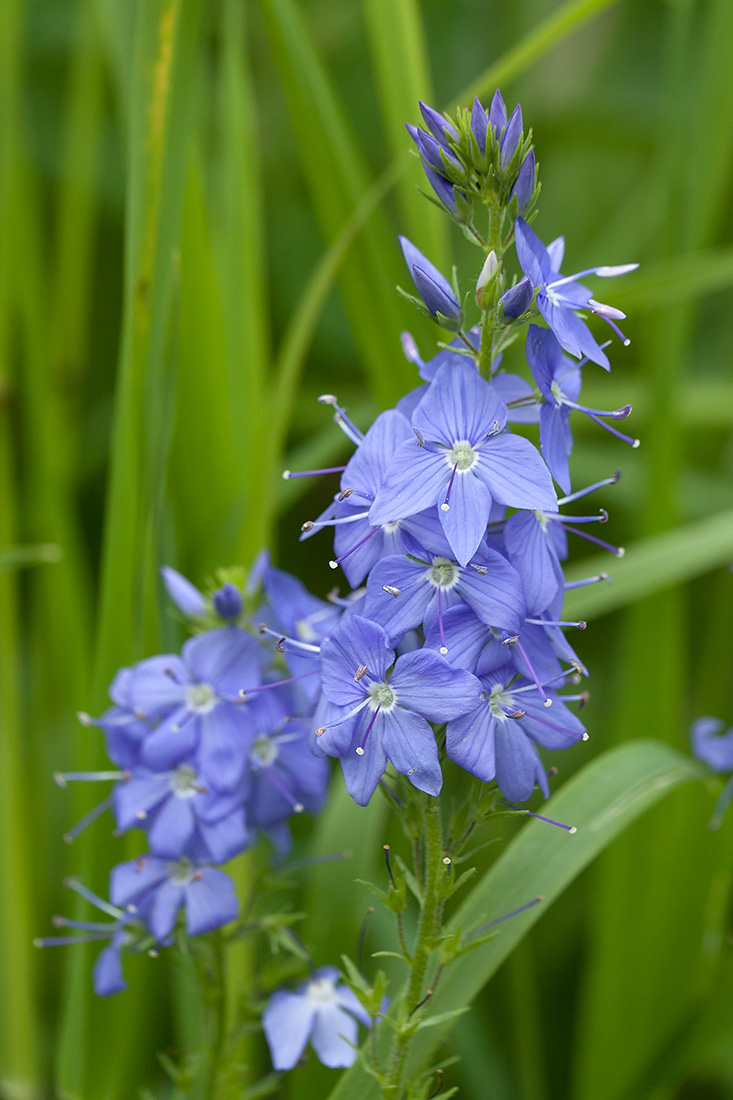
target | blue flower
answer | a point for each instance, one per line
(376, 709)
(463, 460)
(715, 749)
(185, 595)
(322, 1010)
(126, 932)
(193, 706)
(434, 289)
(560, 296)
(559, 380)
(161, 888)
(496, 739)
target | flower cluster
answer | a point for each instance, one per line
(211, 746)
(450, 517)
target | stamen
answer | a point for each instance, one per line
(360, 749)
(507, 916)
(298, 807)
(520, 809)
(445, 506)
(533, 675)
(88, 895)
(588, 580)
(602, 517)
(590, 488)
(548, 622)
(420, 438)
(391, 590)
(339, 721)
(58, 941)
(244, 692)
(62, 778)
(617, 550)
(337, 561)
(611, 323)
(313, 473)
(361, 671)
(344, 422)
(82, 925)
(88, 819)
(613, 431)
(313, 525)
(263, 629)
(386, 860)
(616, 414)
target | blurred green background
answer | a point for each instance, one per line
(199, 205)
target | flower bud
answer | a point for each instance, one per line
(524, 184)
(228, 602)
(486, 281)
(515, 301)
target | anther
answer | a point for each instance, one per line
(586, 736)
(345, 494)
(604, 516)
(391, 590)
(482, 570)
(320, 731)
(583, 701)
(84, 718)
(141, 815)
(328, 399)
(298, 807)
(197, 876)
(280, 645)
(517, 714)
(307, 526)
(361, 671)
(139, 714)
(131, 908)
(389, 866)
(420, 438)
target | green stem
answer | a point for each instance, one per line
(429, 925)
(213, 990)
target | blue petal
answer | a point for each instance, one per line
(514, 473)
(227, 658)
(185, 595)
(709, 746)
(556, 442)
(355, 642)
(225, 838)
(417, 478)
(517, 762)
(510, 387)
(496, 595)
(171, 828)
(157, 685)
(129, 881)
(410, 745)
(224, 745)
(479, 124)
(334, 1036)
(166, 901)
(173, 740)
(107, 970)
(544, 355)
(510, 137)
(398, 614)
(497, 112)
(464, 633)
(553, 727)
(464, 523)
(460, 405)
(532, 254)
(141, 793)
(531, 555)
(366, 469)
(362, 773)
(470, 742)
(287, 1022)
(426, 683)
(211, 901)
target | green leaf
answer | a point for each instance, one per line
(601, 801)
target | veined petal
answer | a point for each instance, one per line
(423, 681)
(107, 970)
(532, 254)
(495, 593)
(225, 838)
(514, 473)
(416, 479)
(543, 725)
(556, 443)
(410, 745)
(460, 405)
(171, 828)
(464, 634)
(141, 793)
(157, 685)
(227, 658)
(224, 745)
(464, 523)
(130, 880)
(288, 1021)
(517, 762)
(172, 740)
(355, 642)
(362, 773)
(470, 742)
(166, 901)
(367, 467)
(404, 611)
(531, 555)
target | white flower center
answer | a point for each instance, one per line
(556, 391)
(443, 573)
(542, 518)
(321, 990)
(201, 698)
(500, 698)
(183, 781)
(305, 631)
(264, 751)
(180, 871)
(462, 455)
(381, 695)
(391, 527)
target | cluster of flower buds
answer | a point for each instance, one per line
(210, 747)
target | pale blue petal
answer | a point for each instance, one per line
(514, 473)
(211, 901)
(423, 681)
(410, 745)
(331, 1030)
(417, 478)
(470, 742)
(287, 1022)
(464, 523)
(460, 405)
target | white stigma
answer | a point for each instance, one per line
(444, 649)
(445, 507)
(333, 565)
(360, 751)
(620, 552)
